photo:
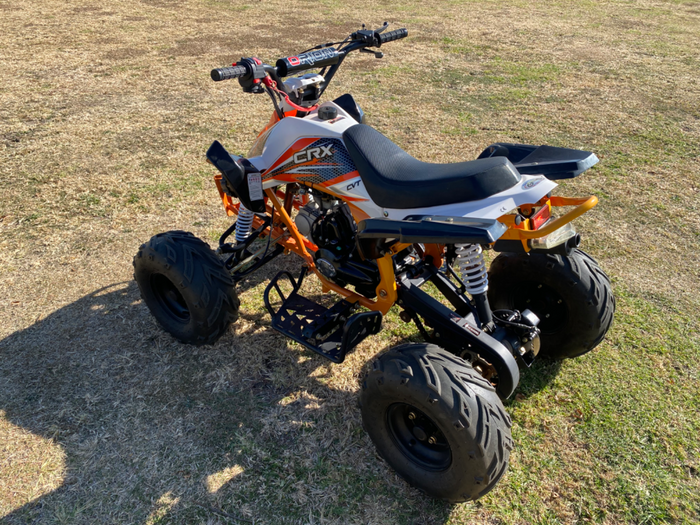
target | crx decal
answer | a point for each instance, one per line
(312, 153)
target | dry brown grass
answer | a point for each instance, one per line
(106, 110)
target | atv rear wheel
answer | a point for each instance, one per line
(186, 287)
(571, 296)
(438, 423)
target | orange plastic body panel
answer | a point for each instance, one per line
(436, 251)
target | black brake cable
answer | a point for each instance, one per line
(500, 312)
(321, 46)
(279, 111)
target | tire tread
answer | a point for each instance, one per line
(580, 271)
(190, 262)
(456, 395)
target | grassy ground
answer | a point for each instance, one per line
(106, 110)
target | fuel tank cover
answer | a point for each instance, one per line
(327, 112)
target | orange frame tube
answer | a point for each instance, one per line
(387, 291)
(523, 232)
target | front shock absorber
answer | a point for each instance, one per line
(244, 224)
(471, 265)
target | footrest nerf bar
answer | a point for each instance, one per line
(331, 332)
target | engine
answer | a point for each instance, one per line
(330, 225)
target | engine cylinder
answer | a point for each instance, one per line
(306, 217)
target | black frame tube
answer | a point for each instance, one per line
(458, 334)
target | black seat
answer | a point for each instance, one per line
(394, 179)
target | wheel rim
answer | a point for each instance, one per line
(418, 437)
(545, 302)
(169, 298)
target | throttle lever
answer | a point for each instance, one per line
(377, 54)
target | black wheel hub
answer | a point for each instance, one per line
(169, 298)
(545, 302)
(418, 437)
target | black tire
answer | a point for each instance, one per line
(186, 287)
(571, 295)
(418, 391)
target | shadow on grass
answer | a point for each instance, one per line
(537, 377)
(154, 431)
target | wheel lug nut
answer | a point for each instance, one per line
(411, 416)
(432, 440)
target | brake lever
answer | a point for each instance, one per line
(381, 29)
(377, 54)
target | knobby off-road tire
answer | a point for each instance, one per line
(438, 423)
(186, 287)
(571, 296)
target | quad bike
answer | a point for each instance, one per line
(375, 225)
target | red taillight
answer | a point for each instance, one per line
(542, 216)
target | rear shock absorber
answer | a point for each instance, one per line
(244, 224)
(470, 263)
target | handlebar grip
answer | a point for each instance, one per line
(226, 73)
(392, 35)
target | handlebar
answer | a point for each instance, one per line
(227, 73)
(256, 77)
(392, 35)
(328, 56)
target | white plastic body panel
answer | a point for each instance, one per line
(530, 189)
(289, 130)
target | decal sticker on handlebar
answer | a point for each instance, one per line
(309, 59)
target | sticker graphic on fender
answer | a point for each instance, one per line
(255, 189)
(532, 183)
(312, 160)
(312, 153)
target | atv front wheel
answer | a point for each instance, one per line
(186, 287)
(571, 296)
(438, 423)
